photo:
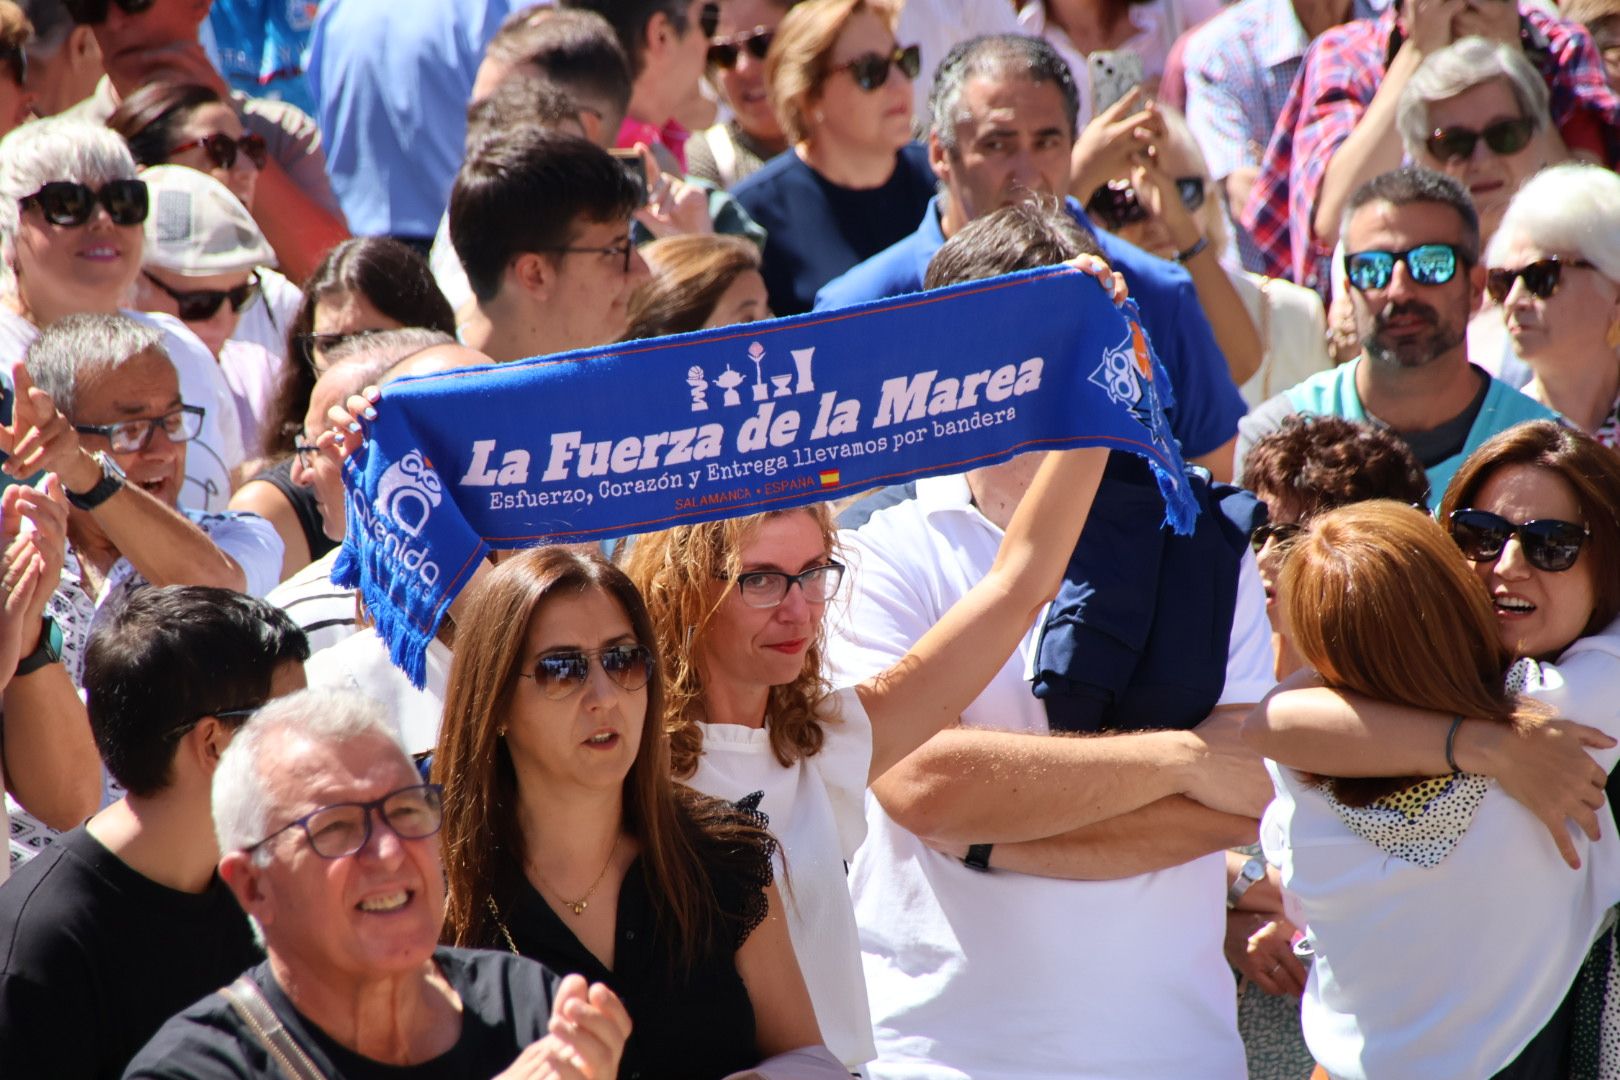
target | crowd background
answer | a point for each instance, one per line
(944, 781)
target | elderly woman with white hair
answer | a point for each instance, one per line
(71, 210)
(1554, 267)
(1477, 110)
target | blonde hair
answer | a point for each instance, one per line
(1381, 603)
(679, 572)
(797, 62)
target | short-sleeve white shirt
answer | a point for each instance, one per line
(1002, 974)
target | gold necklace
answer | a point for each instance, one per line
(578, 906)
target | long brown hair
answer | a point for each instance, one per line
(797, 63)
(677, 571)
(690, 275)
(1380, 603)
(1592, 471)
(484, 849)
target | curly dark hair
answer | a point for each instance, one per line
(1317, 463)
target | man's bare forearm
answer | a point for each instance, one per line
(1157, 836)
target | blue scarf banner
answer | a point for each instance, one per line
(646, 435)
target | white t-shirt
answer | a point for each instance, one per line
(1004, 975)
(360, 662)
(265, 323)
(326, 613)
(254, 359)
(448, 272)
(217, 450)
(815, 807)
(1449, 970)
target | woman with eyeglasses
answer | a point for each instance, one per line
(739, 609)
(71, 211)
(1535, 515)
(363, 285)
(1553, 271)
(853, 182)
(728, 153)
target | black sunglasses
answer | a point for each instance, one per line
(1116, 204)
(1283, 533)
(70, 203)
(871, 70)
(1549, 544)
(204, 304)
(1426, 264)
(757, 42)
(90, 12)
(1541, 278)
(222, 149)
(563, 674)
(15, 57)
(1503, 137)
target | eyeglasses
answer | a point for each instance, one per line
(326, 342)
(222, 149)
(1116, 204)
(709, 19)
(1503, 137)
(342, 829)
(203, 304)
(1549, 544)
(15, 57)
(1428, 264)
(90, 12)
(871, 70)
(724, 54)
(224, 714)
(767, 588)
(133, 436)
(562, 674)
(1284, 533)
(306, 453)
(622, 250)
(1541, 278)
(70, 203)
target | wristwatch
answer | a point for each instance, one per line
(1253, 872)
(978, 857)
(48, 651)
(112, 478)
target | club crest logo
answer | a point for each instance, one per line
(1126, 375)
(408, 492)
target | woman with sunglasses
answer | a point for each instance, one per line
(1535, 513)
(1477, 111)
(853, 182)
(566, 840)
(1553, 270)
(729, 152)
(71, 211)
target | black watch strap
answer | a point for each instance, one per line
(48, 651)
(978, 857)
(111, 480)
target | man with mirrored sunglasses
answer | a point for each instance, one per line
(330, 846)
(1412, 261)
(107, 922)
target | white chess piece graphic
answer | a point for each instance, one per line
(801, 360)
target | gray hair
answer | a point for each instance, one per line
(1566, 208)
(56, 148)
(389, 347)
(241, 797)
(1461, 66)
(77, 348)
(1001, 56)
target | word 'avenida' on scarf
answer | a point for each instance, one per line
(646, 435)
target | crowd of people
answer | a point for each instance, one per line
(989, 774)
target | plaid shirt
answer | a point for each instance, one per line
(1342, 72)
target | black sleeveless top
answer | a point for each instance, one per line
(304, 504)
(696, 1026)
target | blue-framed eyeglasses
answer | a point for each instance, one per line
(341, 829)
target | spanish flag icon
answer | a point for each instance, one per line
(829, 478)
